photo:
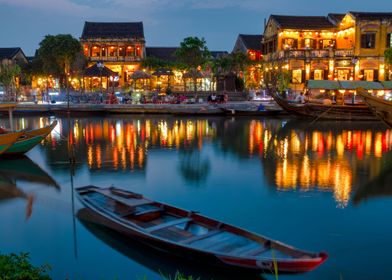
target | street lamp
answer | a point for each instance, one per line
(100, 66)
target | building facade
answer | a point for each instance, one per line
(120, 46)
(334, 47)
(252, 46)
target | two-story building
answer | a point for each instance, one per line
(120, 46)
(334, 47)
(251, 45)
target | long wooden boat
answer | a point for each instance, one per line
(191, 235)
(380, 107)
(360, 112)
(29, 139)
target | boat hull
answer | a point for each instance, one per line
(357, 112)
(381, 108)
(29, 140)
(7, 140)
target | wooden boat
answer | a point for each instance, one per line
(191, 235)
(360, 112)
(29, 139)
(380, 107)
(8, 139)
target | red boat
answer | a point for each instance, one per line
(191, 235)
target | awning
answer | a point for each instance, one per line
(95, 71)
(387, 84)
(352, 85)
(323, 84)
(193, 74)
(140, 75)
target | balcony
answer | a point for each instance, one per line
(115, 59)
(344, 52)
(319, 53)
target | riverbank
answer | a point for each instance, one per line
(89, 108)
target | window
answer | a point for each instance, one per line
(121, 51)
(343, 74)
(130, 51)
(368, 41)
(368, 75)
(326, 44)
(289, 43)
(103, 52)
(112, 51)
(95, 51)
(297, 76)
(318, 74)
(389, 40)
(309, 44)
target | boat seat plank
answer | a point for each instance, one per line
(131, 202)
(200, 237)
(168, 224)
(243, 250)
(256, 251)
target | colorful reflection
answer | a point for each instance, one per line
(112, 144)
(326, 158)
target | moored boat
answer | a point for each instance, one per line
(29, 139)
(352, 112)
(191, 235)
(8, 139)
(380, 107)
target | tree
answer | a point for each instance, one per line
(223, 66)
(192, 54)
(283, 81)
(58, 53)
(388, 58)
(8, 73)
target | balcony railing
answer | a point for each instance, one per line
(115, 59)
(344, 52)
(309, 54)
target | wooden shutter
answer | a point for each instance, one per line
(363, 41)
(389, 41)
(303, 72)
(295, 45)
(314, 44)
(362, 73)
(325, 77)
(375, 75)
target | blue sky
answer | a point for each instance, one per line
(24, 23)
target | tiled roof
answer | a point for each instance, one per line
(163, 53)
(218, 54)
(371, 15)
(336, 18)
(251, 42)
(112, 30)
(8, 53)
(303, 22)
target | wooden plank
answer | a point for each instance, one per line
(256, 251)
(128, 202)
(168, 224)
(200, 237)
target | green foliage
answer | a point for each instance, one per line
(179, 276)
(283, 80)
(155, 63)
(193, 53)
(58, 53)
(18, 267)
(388, 56)
(8, 72)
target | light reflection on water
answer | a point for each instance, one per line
(211, 164)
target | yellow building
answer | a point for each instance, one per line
(334, 47)
(120, 46)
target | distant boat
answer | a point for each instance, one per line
(380, 107)
(353, 112)
(190, 235)
(29, 139)
(25, 139)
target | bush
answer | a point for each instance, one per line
(18, 267)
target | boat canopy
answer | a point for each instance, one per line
(387, 84)
(349, 85)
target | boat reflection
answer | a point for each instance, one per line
(162, 263)
(379, 187)
(14, 171)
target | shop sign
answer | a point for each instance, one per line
(320, 65)
(297, 64)
(368, 64)
(343, 63)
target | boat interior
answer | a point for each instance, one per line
(185, 228)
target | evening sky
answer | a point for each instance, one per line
(24, 23)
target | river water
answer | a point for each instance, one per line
(324, 186)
